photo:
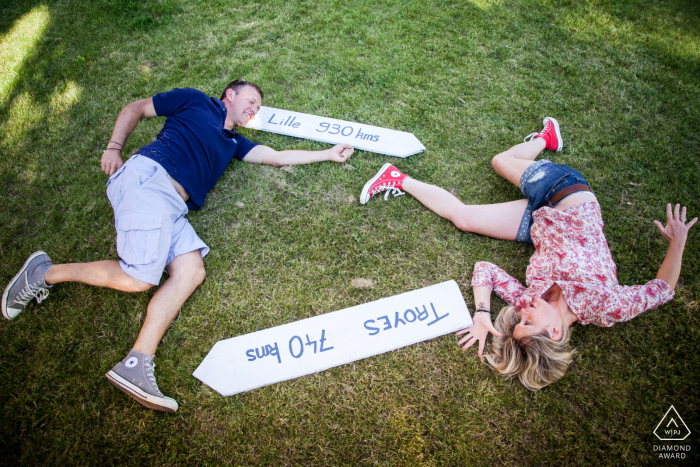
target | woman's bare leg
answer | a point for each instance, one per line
(512, 163)
(493, 220)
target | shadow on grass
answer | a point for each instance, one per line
(61, 42)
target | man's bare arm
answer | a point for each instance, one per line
(127, 120)
(266, 155)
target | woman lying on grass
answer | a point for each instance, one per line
(571, 277)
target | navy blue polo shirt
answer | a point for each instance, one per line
(193, 145)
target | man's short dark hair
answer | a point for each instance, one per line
(240, 84)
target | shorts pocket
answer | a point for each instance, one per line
(138, 238)
(563, 182)
(145, 171)
(114, 188)
(116, 174)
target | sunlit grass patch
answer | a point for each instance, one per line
(19, 43)
(25, 113)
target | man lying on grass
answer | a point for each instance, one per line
(150, 195)
(571, 276)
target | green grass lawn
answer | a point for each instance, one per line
(470, 79)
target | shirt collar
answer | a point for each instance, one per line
(229, 133)
(534, 290)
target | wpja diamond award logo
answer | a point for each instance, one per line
(672, 428)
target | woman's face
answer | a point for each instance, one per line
(539, 316)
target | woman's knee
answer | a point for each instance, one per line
(499, 162)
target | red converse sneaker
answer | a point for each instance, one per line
(388, 179)
(550, 133)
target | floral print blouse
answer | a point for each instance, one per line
(571, 251)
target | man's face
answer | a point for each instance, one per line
(242, 107)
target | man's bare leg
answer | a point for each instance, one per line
(106, 273)
(38, 274)
(186, 274)
(135, 374)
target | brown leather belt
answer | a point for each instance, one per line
(564, 192)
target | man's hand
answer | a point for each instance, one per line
(676, 229)
(111, 161)
(478, 332)
(340, 153)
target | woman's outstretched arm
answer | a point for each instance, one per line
(676, 232)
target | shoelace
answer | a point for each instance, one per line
(33, 290)
(150, 368)
(395, 191)
(389, 188)
(532, 135)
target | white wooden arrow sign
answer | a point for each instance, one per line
(330, 130)
(315, 344)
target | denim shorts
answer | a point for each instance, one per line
(150, 220)
(539, 183)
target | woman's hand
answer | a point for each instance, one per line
(676, 230)
(478, 332)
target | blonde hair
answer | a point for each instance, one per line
(536, 360)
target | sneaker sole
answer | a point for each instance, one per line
(560, 142)
(12, 283)
(364, 196)
(152, 402)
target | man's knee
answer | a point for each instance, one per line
(193, 274)
(189, 267)
(198, 273)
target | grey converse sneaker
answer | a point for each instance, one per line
(26, 285)
(134, 376)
